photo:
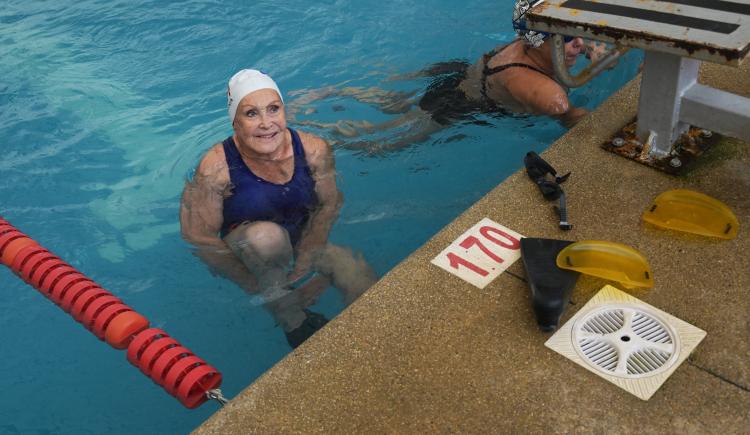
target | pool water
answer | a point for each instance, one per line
(107, 106)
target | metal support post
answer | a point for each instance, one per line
(666, 78)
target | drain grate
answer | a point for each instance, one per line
(646, 361)
(602, 354)
(625, 340)
(629, 343)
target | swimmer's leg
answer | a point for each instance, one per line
(345, 127)
(349, 272)
(265, 249)
(419, 127)
(307, 96)
(389, 102)
(350, 128)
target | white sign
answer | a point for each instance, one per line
(482, 253)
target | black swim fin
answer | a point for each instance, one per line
(550, 286)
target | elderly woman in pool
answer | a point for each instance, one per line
(261, 205)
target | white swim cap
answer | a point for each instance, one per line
(245, 82)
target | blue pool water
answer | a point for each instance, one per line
(106, 107)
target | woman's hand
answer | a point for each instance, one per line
(303, 264)
(596, 50)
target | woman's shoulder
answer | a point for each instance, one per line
(312, 143)
(538, 93)
(512, 51)
(213, 165)
(317, 151)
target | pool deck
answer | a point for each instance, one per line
(424, 351)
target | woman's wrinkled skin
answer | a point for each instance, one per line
(258, 256)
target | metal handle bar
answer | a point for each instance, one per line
(588, 73)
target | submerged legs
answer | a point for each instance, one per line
(349, 272)
(264, 248)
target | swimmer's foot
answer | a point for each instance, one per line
(401, 104)
(346, 128)
(309, 326)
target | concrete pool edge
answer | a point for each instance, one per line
(425, 351)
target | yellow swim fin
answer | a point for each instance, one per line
(692, 212)
(608, 260)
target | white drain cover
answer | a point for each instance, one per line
(626, 341)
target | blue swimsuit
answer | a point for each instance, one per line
(255, 199)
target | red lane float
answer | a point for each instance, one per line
(162, 358)
(173, 367)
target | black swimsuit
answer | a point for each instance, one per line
(487, 71)
(445, 102)
(443, 99)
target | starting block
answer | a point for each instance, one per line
(677, 35)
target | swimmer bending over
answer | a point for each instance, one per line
(517, 77)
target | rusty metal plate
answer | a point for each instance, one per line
(685, 152)
(712, 30)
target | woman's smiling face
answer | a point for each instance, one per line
(260, 122)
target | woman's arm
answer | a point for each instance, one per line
(315, 236)
(201, 217)
(540, 95)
